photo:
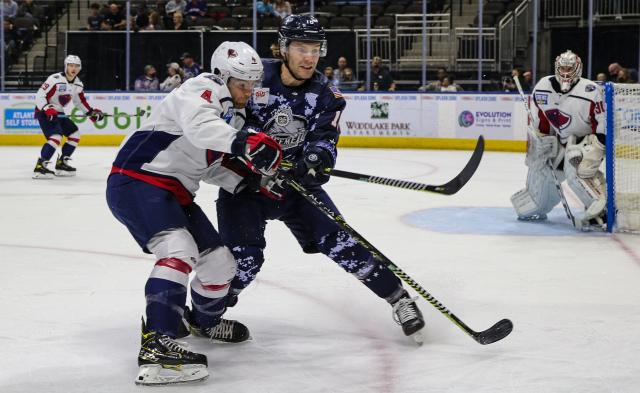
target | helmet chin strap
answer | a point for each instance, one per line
(286, 64)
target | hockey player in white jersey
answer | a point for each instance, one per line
(568, 116)
(55, 93)
(151, 190)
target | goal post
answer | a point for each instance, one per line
(623, 157)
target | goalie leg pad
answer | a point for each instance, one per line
(591, 192)
(539, 196)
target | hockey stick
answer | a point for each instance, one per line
(533, 135)
(449, 188)
(495, 333)
(141, 113)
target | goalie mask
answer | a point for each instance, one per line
(236, 60)
(568, 68)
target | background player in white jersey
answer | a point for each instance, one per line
(151, 191)
(56, 92)
(569, 118)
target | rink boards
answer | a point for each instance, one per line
(381, 120)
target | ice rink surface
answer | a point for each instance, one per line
(72, 290)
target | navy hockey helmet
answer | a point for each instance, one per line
(303, 28)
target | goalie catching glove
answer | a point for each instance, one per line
(311, 169)
(586, 156)
(261, 153)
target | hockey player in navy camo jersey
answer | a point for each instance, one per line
(300, 109)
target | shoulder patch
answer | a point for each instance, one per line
(541, 98)
(214, 78)
(56, 76)
(589, 88)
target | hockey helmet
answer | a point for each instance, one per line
(303, 28)
(237, 60)
(568, 70)
(72, 59)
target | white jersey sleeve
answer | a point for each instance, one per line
(79, 100)
(46, 91)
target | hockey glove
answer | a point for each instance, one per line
(272, 187)
(95, 115)
(311, 168)
(261, 153)
(50, 112)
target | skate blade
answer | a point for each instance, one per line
(417, 337)
(41, 176)
(156, 375)
(60, 173)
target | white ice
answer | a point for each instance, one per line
(72, 284)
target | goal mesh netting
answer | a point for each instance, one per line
(623, 156)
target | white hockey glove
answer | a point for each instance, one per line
(542, 149)
(272, 187)
(592, 156)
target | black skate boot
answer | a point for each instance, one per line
(164, 361)
(407, 314)
(227, 331)
(63, 168)
(41, 171)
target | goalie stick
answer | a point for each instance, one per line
(140, 113)
(495, 333)
(533, 135)
(449, 188)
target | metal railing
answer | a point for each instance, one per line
(563, 9)
(616, 8)
(409, 36)
(506, 45)
(467, 56)
(380, 46)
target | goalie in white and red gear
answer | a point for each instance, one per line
(569, 117)
(55, 93)
(151, 191)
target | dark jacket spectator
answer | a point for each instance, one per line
(10, 8)
(189, 66)
(114, 20)
(94, 20)
(30, 9)
(380, 76)
(155, 21)
(195, 9)
(178, 21)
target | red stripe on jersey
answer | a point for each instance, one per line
(176, 264)
(592, 117)
(215, 287)
(51, 93)
(84, 101)
(543, 124)
(183, 196)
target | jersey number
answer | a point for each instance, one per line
(599, 107)
(207, 96)
(45, 86)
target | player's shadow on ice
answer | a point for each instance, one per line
(492, 221)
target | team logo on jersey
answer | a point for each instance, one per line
(287, 129)
(558, 119)
(261, 95)
(589, 88)
(228, 116)
(62, 87)
(541, 98)
(466, 119)
(64, 99)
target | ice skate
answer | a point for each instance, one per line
(227, 331)
(407, 314)
(164, 361)
(41, 171)
(63, 169)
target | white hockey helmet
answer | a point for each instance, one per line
(568, 70)
(72, 59)
(236, 60)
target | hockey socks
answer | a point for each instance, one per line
(166, 294)
(355, 259)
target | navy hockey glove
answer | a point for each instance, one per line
(311, 168)
(260, 152)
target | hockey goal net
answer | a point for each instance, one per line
(623, 157)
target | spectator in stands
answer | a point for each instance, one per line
(328, 73)
(275, 50)
(174, 77)
(10, 41)
(141, 18)
(10, 8)
(30, 9)
(348, 82)
(195, 9)
(114, 20)
(437, 84)
(178, 21)
(381, 76)
(624, 76)
(630, 74)
(614, 68)
(264, 8)
(342, 65)
(174, 6)
(148, 81)
(282, 9)
(449, 85)
(601, 77)
(155, 22)
(527, 78)
(94, 20)
(189, 66)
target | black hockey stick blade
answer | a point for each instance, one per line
(463, 177)
(495, 333)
